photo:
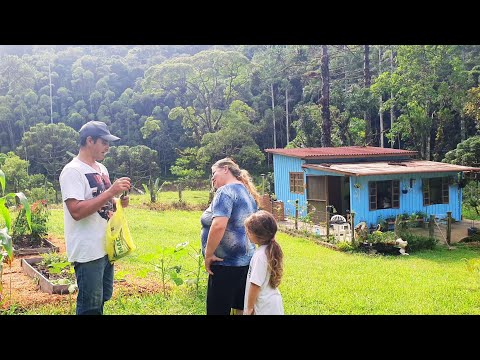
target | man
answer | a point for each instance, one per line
(88, 203)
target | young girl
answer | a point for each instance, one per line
(262, 296)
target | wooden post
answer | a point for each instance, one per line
(352, 226)
(449, 227)
(180, 193)
(296, 214)
(327, 221)
(431, 226)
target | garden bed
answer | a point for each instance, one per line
(27, 246)
(33, 269)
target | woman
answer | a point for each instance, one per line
(225, 246)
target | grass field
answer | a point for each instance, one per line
(317, 280)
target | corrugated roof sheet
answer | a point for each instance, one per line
(341, 152)
(387, 168)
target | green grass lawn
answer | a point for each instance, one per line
(189, 196)
(316, 280)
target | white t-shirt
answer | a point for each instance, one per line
(85, 238)
(269, 301)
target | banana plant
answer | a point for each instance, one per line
(6, 247)
(153, 188)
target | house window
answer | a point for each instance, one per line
(296, 182)
(384, 194)
(435, 191)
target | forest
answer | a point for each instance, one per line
(179, 108)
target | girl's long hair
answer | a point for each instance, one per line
(262, 224)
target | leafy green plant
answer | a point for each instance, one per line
(418, 242)
(58, 265)
(71, 290)
(199, 269)
(153, 188)
(6, 248)
(39, 219)
(471, 196)
(344, 246)
(376, 237)
(166, 269)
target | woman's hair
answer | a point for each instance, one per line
(262, 224)
(240, 174)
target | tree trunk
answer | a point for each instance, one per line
(392, 108)
(345, 74)
(325, 100)
(366, 83)
(380, 110)
(51, 102)
(344, 134)
(286, 111)
(463, 131)
(273, 115)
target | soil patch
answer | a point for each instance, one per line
(28, 242)
(22, 291)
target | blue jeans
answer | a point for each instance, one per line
(95, 285)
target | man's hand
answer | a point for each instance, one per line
(119, 186)
(124, 199)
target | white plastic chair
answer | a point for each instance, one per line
(338, 219)
(341, 228)
(343, 232)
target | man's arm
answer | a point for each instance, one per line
(80, 209)
(215, 235)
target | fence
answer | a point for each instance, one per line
(276, 208)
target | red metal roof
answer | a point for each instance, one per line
(341, 152)
(387, 168)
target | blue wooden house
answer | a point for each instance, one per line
(375, 183)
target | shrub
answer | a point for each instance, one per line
(418, 242)
(39, 218)
(381, 237)
(344, 246)
(39, 193)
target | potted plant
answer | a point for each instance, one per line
(405, 190)
(417, 219)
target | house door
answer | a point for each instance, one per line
(335, 192)
(317, 197)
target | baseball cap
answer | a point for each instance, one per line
(97, 129)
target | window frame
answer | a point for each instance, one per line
(373, 194)
(297, 182)
(445, 190)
